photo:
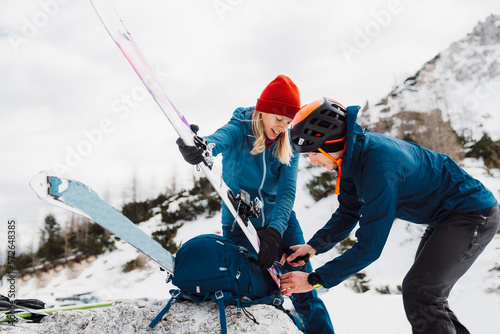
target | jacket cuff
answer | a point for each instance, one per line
(280, 229)
(315, 245)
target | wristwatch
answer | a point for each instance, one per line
(313, 278)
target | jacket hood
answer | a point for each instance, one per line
(353, 131)
(245, 116)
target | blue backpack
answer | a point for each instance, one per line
(213, 267)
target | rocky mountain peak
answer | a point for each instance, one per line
(488, 31)
(461, 84)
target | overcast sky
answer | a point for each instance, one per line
(70, 101)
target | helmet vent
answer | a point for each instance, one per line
(313, 133)
(320, 123)
(324, 124)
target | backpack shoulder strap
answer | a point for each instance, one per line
(175, 295)
(161, 314)
(219, 298)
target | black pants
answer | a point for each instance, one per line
(444, 255)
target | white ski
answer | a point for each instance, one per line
(119, 33)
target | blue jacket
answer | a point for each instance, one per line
(384, 178)
(261, 175)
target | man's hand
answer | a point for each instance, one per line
(295, 282)
(300, 250)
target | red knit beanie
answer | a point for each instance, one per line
(280, 97)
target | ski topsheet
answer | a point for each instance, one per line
(119, 33)
(77, 197)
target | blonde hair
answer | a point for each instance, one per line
(283, 150)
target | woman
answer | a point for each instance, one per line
(257, 157)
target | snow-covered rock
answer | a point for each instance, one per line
(185, 317)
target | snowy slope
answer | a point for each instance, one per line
(463, 81)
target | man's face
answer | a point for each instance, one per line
(323, 160)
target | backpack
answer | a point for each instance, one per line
(212, 267)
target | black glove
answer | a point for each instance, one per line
(192, 154)
(270, 240)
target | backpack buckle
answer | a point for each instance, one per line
(175, 293)
(277, 302)
(219, 294)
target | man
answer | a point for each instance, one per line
(382, 178)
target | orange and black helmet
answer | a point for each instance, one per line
(319, 124)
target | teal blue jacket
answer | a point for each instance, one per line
(384, 178)
(261, 175)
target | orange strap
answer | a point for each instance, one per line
(339, 173)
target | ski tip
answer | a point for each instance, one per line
(40, 185)
(45, 184)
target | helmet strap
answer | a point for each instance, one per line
(339, 164)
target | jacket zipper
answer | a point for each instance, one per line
(262, 212)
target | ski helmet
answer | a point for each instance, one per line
(319, 125)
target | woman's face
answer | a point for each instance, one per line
(274, 125)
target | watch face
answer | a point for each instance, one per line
(313, 278)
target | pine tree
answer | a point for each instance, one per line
(487, 149)
(52, 242)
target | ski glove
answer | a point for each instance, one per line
(192, 154)
(270, 239)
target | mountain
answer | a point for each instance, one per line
(462, 84)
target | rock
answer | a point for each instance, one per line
(185, 317)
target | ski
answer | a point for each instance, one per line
(77, 197)
(120, 35)
(8, 316)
